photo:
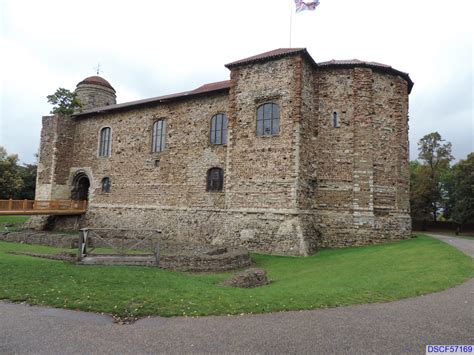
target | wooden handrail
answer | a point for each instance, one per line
(42, 206)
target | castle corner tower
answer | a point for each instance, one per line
(95, 91)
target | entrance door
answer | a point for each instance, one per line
(80, 190)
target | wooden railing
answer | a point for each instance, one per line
(34, 207)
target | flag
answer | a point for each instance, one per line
(301, 5)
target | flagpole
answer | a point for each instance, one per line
(291, 19)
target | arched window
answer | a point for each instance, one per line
(105, 142)
(268, 119)
(106, 184)
(158, 136)
(215, 179)
(219, 129)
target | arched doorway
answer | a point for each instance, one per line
(80, 187)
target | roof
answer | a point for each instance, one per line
(96, 80)
(272, 55)
(350, 63)
(204, 89)
(225, 85)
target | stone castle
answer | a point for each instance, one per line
(287, 156)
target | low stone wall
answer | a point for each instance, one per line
(280, 232)
(228, 260)
(178, 257)
(276, 232)
(41, 238)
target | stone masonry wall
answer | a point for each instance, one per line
(92, 96)
(312, 185)
(174, 177)
(261, 170)
(57, 136)
(362, 164)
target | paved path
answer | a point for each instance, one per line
(465, 245)
(397, 327)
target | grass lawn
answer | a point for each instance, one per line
(330, 278)
(11, 219)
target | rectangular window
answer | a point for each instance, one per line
(268, 119)
(105, 142)
(219, 129)
(335, 121)
(159, 135)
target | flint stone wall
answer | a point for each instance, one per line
(312, 185)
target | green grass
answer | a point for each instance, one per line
(12, 219)
(17, 220)
(330, 278)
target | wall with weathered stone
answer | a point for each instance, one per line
(312, 185)
(57, 136)
(278, 232)
(178, 179)
(307, 123)
(362, 164)
(91, 95)
(261, 170)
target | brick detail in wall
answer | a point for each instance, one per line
(311, 185)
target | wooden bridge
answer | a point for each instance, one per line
(42, 207)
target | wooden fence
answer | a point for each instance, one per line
(38, 207)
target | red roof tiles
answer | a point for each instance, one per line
(225, 85)
(271, 55)
(96, 80)
(207, 88)
(350, 63)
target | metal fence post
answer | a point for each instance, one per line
(157, 249)
(82, 252)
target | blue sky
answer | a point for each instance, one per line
(154, 48)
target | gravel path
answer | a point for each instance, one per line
(404, 326)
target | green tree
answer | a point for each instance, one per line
(28, 175)
(463, 176)
(435, 156)
(11, 182)
(16, 181)
(65, 101)
(419, 201)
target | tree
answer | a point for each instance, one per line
(16, 181)
(10, 179)
(435, 156)
(419, 201)
(66, 101)
(463, 176)
(28, 175)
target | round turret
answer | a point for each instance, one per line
(95, 91)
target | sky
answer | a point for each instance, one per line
(153, 48)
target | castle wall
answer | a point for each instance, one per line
(261, 170)
(175, 177)
(92, 96)
(312, 185)
(362, 164)
(268, 231)
(57, 136)
(308, 136)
